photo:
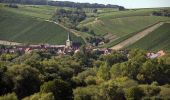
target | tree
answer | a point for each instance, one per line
(40, 96)
(104, 72)
(25, 78)
(60, 89)
(110, 91)
(114, 58)
(134, 93)
(6, 83)
(87, 93)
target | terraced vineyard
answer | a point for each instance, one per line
(122, 24)
(157, 40)
(24, 26)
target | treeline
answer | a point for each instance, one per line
(164, 12)
(69, 18)
(85, 75)
(62, 4)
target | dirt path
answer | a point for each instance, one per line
(136, 37)
(2, 42)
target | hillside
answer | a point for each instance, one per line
(122, 24)
(27, 24)
(157, 40)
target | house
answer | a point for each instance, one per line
(155, 55)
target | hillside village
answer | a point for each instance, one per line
(66, 50)
(69, 48)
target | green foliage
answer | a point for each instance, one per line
(59, 88)
(5, 81)
(40, 96)
(87, 76)
(124, 82)
(25, 78)
(86, 93)
(90, 80)
(150, 90)
(114, 58)
(7, 57)
(11, 96)
(69, 17)
(130, 69)
(134, 93)
(105, 91)
(103, 72)
(153, 70)
(110, 91)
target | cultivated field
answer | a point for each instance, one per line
(122, 24)
(28, 25)
(157, 40)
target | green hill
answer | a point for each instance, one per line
(27, 24)
(122, 24)
(157, 40)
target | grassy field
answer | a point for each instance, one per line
(28, 25)
(157, 40)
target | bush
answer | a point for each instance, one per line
(150, 90)
(40, 96)
(90, 80)
(134, 93)
(84, 29)
(11, 96)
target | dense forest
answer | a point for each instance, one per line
(62, 3)
(85, 75)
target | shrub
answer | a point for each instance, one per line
(90, 80)
(11, 96)
(134, 93)
(40, 96)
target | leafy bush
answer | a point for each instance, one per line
(11, 96)
(134, 93)
(40, 96)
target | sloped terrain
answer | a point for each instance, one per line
(157, 40)
(24, 26)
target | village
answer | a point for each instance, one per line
(69, 48)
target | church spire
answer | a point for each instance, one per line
(68, 42)
(68, 37)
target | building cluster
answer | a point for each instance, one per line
(152, 55)
(68, 48)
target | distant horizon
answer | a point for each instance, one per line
(128, 3)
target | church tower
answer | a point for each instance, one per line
(68, 42)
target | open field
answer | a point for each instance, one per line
(29, 28)
(157, 40)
